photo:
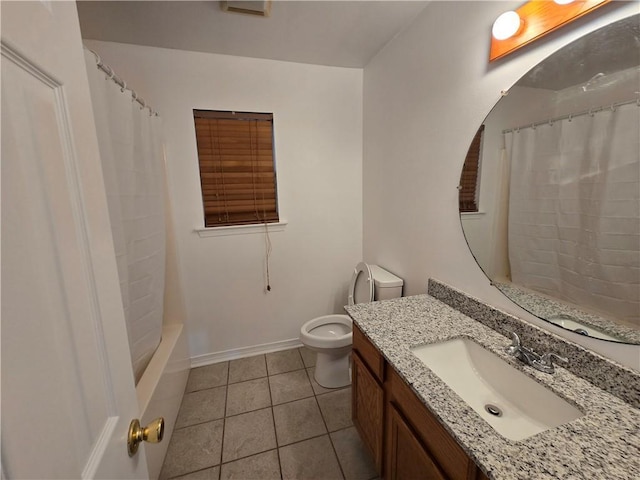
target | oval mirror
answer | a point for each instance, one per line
(550, 191)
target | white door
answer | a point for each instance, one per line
(67, 384)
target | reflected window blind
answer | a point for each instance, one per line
(237, 169)
(468, 196)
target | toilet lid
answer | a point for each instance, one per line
(361, 288)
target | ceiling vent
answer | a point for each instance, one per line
(262, 9)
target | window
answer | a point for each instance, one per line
(469, 180)
(237, 168)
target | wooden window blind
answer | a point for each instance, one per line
(237, 169)
(468, 196)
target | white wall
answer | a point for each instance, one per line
(425, 95)
(318, 140)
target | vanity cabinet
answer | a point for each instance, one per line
(367, 408)
(404, 438)
(406, 456)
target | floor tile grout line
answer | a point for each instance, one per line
(263, 355)
(329, 435)
(286, 371)
(303, 440)
(199, 423)
(224, 419)
(176, 428)
(280, 463)
(277, 448)
(195, 471)
(255, 409)
(273, 421)
(270, 406)
(187, 391)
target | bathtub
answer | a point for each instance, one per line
(161, 388)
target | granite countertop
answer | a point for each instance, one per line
(603, 444)
(545, 307)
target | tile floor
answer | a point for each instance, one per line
(265, 417)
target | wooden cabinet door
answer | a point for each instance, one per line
(406, 458)
(367, 408)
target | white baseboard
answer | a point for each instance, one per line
(217, 357)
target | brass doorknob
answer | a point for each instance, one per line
(152, 433)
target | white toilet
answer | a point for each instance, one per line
(330, 336)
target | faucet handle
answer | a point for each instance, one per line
(514, 348)
(548, 359)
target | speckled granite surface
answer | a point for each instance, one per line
(603, 444)
(602, 372)
(546, 307)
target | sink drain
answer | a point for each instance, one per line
(493, 410)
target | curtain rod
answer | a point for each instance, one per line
(591, 112)
(120, 82)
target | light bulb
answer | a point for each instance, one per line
(506, 25)
(563, 2)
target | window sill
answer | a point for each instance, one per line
(239, 229)
(472, 215)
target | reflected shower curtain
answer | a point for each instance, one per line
(130, 145)
(574, 211)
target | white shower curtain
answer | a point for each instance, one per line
(574, 211)
(130, 145)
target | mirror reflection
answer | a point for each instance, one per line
(550, 192)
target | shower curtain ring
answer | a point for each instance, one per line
(591, 114)
(124, 86)
(98, 59)
(570, 117)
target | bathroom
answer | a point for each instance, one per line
(400, 124)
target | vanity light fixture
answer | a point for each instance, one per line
(533, 20)
(506, 25)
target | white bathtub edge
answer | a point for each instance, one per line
(161, 388)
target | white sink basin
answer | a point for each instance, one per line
(486, 382)
(571, 323)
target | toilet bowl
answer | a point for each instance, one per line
(330, 336)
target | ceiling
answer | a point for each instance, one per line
(335, 33)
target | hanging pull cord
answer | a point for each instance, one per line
(267, 245)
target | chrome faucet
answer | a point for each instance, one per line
(544, 363)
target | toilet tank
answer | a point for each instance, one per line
(387, 285)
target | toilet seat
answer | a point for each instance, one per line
(328, 331)
(361, 288)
